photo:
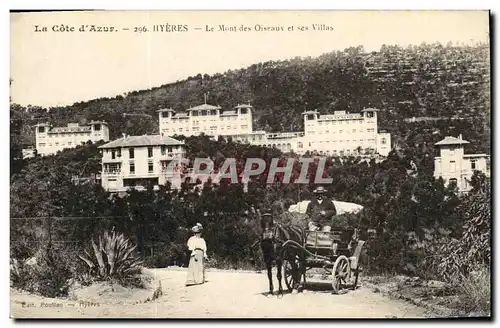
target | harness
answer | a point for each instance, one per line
(269, 234)
(272, 234)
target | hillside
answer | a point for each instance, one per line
(426, 80)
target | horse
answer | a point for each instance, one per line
(273, 235)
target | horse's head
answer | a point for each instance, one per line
(267, 225)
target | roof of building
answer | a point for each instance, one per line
(249, 134)
(229, 113)
(476, 155)
(166, 110)
(145, 140)
(181, 115)
(310, 112)
(370, 110)
(72, 127)
(203, 107)
(451, 141)
(243, 106)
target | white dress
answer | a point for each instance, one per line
(196, 269)
(196, 242)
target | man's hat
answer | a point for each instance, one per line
(319, 190)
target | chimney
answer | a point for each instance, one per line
(460, 136)
(124, 135)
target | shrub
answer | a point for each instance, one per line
(48, 276)
(168, 255)
(460, 256)
(476, 291)
(225, 263)
(113, 258)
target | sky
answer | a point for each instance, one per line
(60, 68)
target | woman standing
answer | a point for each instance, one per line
(198, 248)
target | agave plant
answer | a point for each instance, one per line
(113, 256)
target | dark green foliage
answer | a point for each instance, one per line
(111, 258)
(419, 223)
(470, 251)
(48, 273)
(396, 201)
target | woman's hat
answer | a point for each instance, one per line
(197, 228)
(319, 190)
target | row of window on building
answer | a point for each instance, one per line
(300, 144)
(347, 152)
(342, 119)
(205, 128)
(117, 153)
(334, 122)
(197, 123)
(41, 129)
(56, 144)
(206, 112)
(347, 141)
(116, 168)
(453, 165)
(66, 135)
(342, 131)
(222, 118)
(247, 138)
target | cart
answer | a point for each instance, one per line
(337, 252)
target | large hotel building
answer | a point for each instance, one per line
(340, 133)
(136, 161)
(50, 140)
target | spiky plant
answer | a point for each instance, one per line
(113, 257)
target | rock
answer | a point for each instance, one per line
(31, 261)
(435, 284)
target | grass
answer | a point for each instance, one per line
(468, 296)
(476, 292)
(225, 264)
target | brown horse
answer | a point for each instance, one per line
(273, 235)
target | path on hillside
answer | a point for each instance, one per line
(228, 294)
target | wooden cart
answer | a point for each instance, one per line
(337, 252)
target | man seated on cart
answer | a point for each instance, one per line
(320, 211)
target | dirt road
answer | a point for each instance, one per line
(226, 295)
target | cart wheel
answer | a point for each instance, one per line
(288, 274)
(340, 272)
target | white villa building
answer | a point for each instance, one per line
(136, 161)
(206, 119)
(340, 133)
(454, 166)
(50, 140)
